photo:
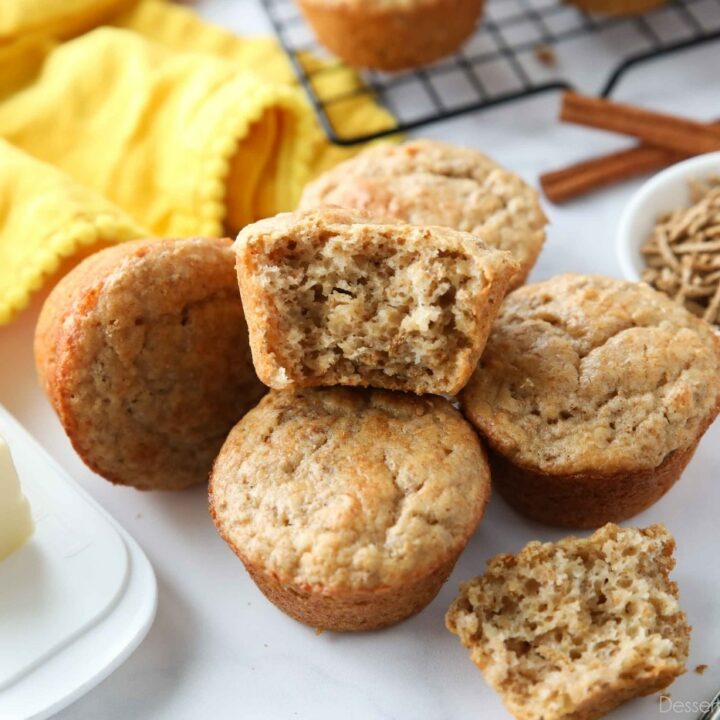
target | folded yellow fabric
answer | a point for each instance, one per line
(45, 216)
(55, 18)
(179, 29)
(155, 130)
(187, 128)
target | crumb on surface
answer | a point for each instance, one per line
(700, 669)
(545, 55)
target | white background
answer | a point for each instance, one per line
(219, 650)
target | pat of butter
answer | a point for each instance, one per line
(16, 523)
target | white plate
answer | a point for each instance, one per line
(75, 601)
(663, 192)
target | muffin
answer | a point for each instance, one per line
(142, 350)
(570, 630)
(425, 182)
(592, 394)
(333, 298)
(349, 507)
(392, 34)
(618, 7)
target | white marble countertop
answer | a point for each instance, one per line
(219, 650)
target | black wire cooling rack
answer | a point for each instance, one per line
(521, 48)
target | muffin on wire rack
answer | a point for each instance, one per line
(392, 34)
(617, 7)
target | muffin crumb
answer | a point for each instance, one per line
(545, 55)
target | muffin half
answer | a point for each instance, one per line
(570, 630)
(392, 34)
(592, 394)
(426, 182)
(334, 298)
(143, 352)
(348, 507)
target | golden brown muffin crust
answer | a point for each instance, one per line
(590, 499)
(143, 352)
(392, 34)
(426, 182)
(342, 490)
(584, 373)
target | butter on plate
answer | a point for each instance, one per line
(16, 525)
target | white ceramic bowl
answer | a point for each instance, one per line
(665, 191)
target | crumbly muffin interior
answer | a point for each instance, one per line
(348, 488)
(561, 624)
(582, 372)
(367, 302)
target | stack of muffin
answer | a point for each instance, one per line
(351, 489)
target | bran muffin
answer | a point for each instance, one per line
(617, 7)
(570, 630)
(392, 34)
(142, 350)
(334, 298)
(426, 182)
(592, 394)
(349, 507)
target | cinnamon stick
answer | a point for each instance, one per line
(560, 186)
(685, 136)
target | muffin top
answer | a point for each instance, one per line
(584, 373)
(143, 351)
(425, 182)
(337, 488)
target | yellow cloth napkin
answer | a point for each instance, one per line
(45, 216)
(185, 127)
(155, 130)
(54, 18)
